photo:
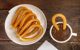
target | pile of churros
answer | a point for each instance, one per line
(26, 24)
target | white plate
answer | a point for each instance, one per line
(11, 33)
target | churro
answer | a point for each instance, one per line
(21, 16)
(62, 17)
(31, 37)
(16, 14)
(26, 18)
(31, 27)
(27, 25)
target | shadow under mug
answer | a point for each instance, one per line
(71, 34)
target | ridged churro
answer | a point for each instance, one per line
(62, 17)
(27, 31)
(26, 18)
(32, 38)
(16, 14)
(27, 25)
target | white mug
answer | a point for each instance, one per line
(71, 34)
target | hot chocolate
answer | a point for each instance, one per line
(61, 35)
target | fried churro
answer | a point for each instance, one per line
(27, 31)
(32, 36)
(16, 14)
(62, 17)
(27, 25)
(26, 18)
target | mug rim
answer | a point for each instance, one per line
(64, 40)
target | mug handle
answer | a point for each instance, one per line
(74, 34)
